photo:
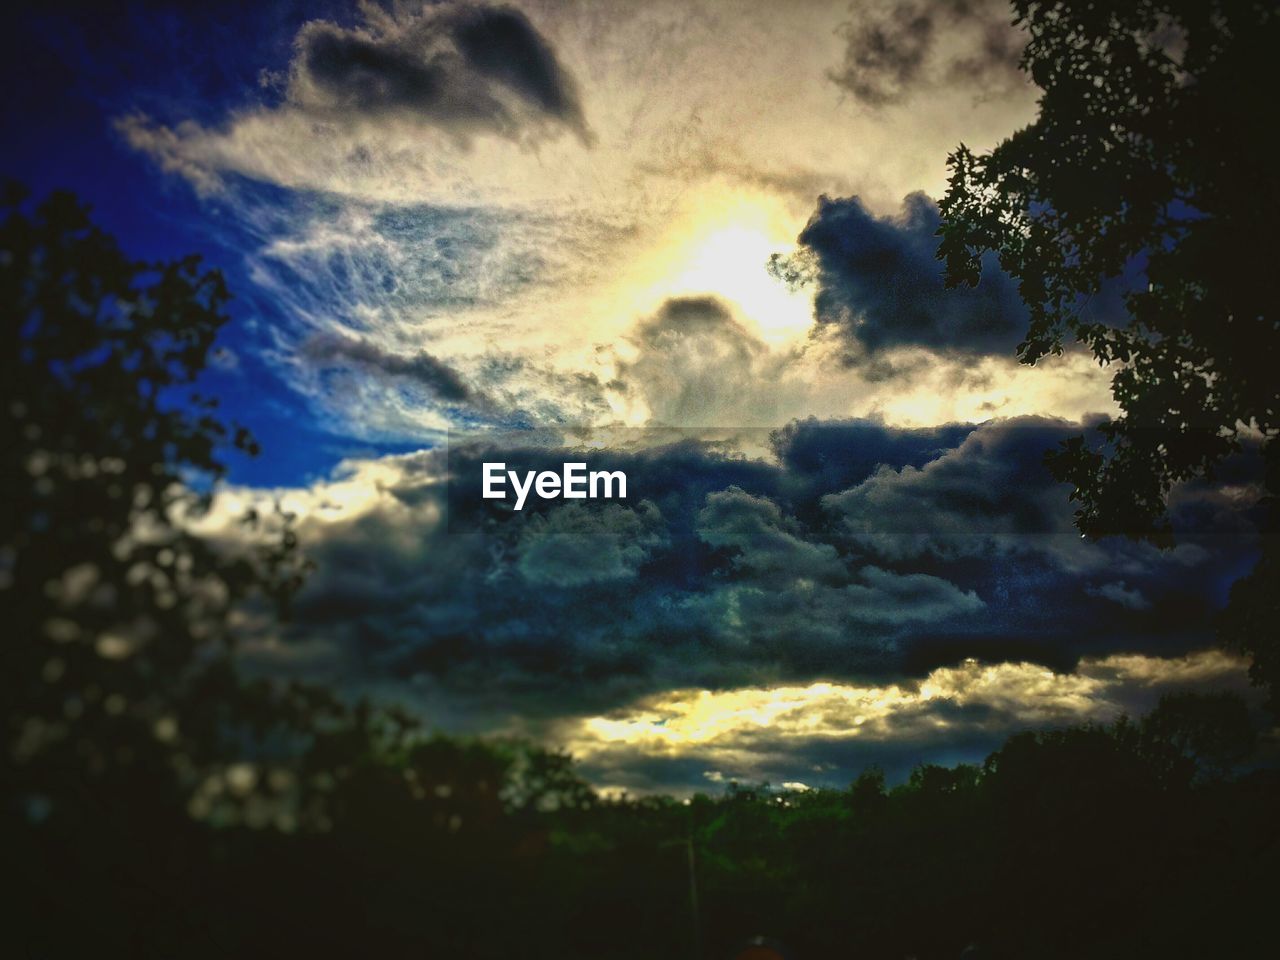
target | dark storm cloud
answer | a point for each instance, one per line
(574, 547)
(821, 456)
(883, 58)
(764, 541)
(992, 483)
(439, 379)
(461, 67)
(699, 579)
(501, 43)
(372, 77)
(865, 552)
(880, 283)
(896, 49)
(988, 515)
(994, 486)
(1121, 594)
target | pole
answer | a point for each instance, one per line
(693, 896)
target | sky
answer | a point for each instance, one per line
(699, 238)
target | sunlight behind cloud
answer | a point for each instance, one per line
(718, 245)
(729, 262)
(522, 256)
(998, 695)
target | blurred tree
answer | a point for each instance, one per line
(115, 668)
(1146, 157)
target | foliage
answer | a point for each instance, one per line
(117, 614)
(1145, 159)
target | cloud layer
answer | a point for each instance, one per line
(822, 734)
(721, 573)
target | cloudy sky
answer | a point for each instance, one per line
(699, 237)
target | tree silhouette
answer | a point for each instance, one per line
(116, 669)
(1145, 159)
(1207, 734)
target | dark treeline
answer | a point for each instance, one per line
(1116, 841)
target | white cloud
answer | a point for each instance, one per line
(524, 261)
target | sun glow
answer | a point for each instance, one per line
(720, 247)
(730, 263)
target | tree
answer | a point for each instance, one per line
(115, 671)
(1210, 732)
(1147, 157)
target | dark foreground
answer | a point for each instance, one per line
(1088, 842)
